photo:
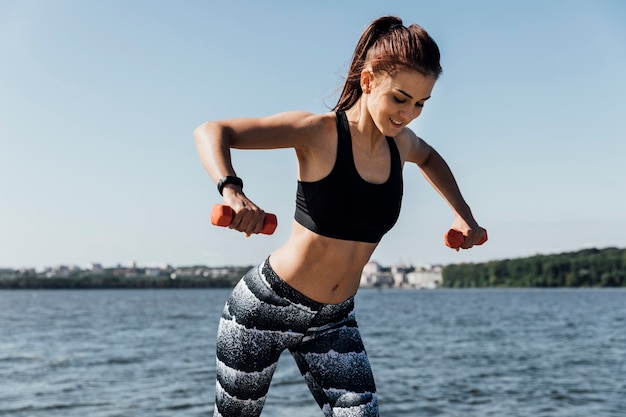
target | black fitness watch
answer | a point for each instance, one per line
(228, 180)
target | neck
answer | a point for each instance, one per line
(362, 125)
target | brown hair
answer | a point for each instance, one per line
(387, 45)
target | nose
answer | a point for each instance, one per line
(411, 112)
(414, 111)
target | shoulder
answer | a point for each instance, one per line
(296, 119)
(312, 130)
(412, 148)
(307, 122)
(302, 124)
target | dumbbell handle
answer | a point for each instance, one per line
(222, 215)
(454, 239)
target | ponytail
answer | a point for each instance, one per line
(387, 45)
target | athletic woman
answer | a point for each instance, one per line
(349, 194)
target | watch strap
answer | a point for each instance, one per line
(229, 179)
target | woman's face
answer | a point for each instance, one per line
(395, 100)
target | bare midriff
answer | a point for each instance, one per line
(324, 269)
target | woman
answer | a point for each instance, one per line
(349, 195)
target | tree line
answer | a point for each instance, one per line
(584, 268)
(112, 281)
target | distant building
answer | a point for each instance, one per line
(60, 271)
(374, 276)
(129, 273)
(401, 276)
(153, 272)
(166, 267)
(399, 273)
(424, 278)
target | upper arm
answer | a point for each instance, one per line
(284, 130)
(416, 149)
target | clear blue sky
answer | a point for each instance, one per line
(98, 101)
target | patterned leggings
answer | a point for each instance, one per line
(263, 317)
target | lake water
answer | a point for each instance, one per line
(150, 353)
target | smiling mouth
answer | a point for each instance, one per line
(395, 123)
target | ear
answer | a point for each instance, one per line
(367, 79)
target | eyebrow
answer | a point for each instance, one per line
(410, 96)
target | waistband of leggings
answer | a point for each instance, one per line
(291, 294)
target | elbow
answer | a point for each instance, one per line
(200, 132)
(427, 158)
(209, 132)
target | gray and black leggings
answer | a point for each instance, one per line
(263, 317)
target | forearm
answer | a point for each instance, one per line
(438, 174)
(213, 142)
(213, 146)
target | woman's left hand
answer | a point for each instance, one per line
(472, 232)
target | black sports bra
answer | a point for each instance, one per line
(345, 206)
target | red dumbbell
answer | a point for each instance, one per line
(454, 239)
(222, 215)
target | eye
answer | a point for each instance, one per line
(420, 105)
(398, 100)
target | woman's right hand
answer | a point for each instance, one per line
(248, 216)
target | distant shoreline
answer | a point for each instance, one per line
(588, 268)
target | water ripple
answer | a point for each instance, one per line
(539, 353)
